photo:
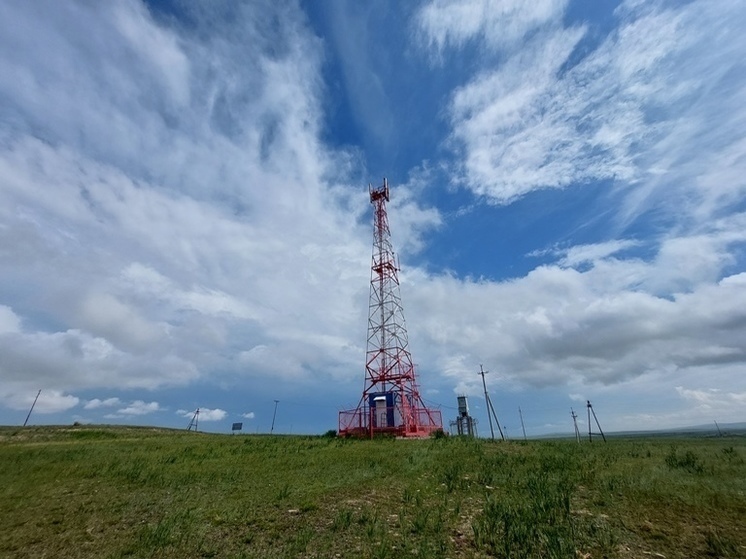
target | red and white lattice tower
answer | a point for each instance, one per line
(391, 402)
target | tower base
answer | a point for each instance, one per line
(373, 421)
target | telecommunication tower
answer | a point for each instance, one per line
(391, 402)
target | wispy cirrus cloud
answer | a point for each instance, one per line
(650, 109)
(445, 23)
(635, 109)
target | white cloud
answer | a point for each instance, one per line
(168, 63)
(654, 109)
(581, 254)
(53, 401)
(169, 212)
(249, 415)
(169, 197)
(103, 315)
(75, 359)
(147, 282)
(408, 221)
(49, 401)
(10, 322)
(516, 133)
(451, 23)
(352, 29)
(715, 399)
(560, 325)
(205, 414)
(637, 110)
(139, 407)
(97, 403)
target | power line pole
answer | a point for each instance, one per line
(271, 430)
(600, 431)
(490, 407)
(522, 425)
(194, 423)
(32, 408)
(720, 433)
(575, 422)
(487, 400)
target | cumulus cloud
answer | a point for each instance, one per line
(139, 407)
(205, 414)
(560, 325)
(52, 401)
(49, 401)
(249, 415)
(75, 359)
(174, 211)
(714, 399)
(98, 403)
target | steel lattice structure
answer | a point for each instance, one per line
(391, 403)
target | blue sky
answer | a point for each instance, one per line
(185, 216)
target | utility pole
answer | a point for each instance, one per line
(720, 433)
(32, 408)
(194, 423)
(523, 427)
(487, 400)
(600, 431)
(271, 430)
(575, 422)
(490, 407)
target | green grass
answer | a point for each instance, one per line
(134, 492)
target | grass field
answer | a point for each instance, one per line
(136, 492)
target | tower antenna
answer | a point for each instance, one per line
(391, 402)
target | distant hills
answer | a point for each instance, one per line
(707, 430)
